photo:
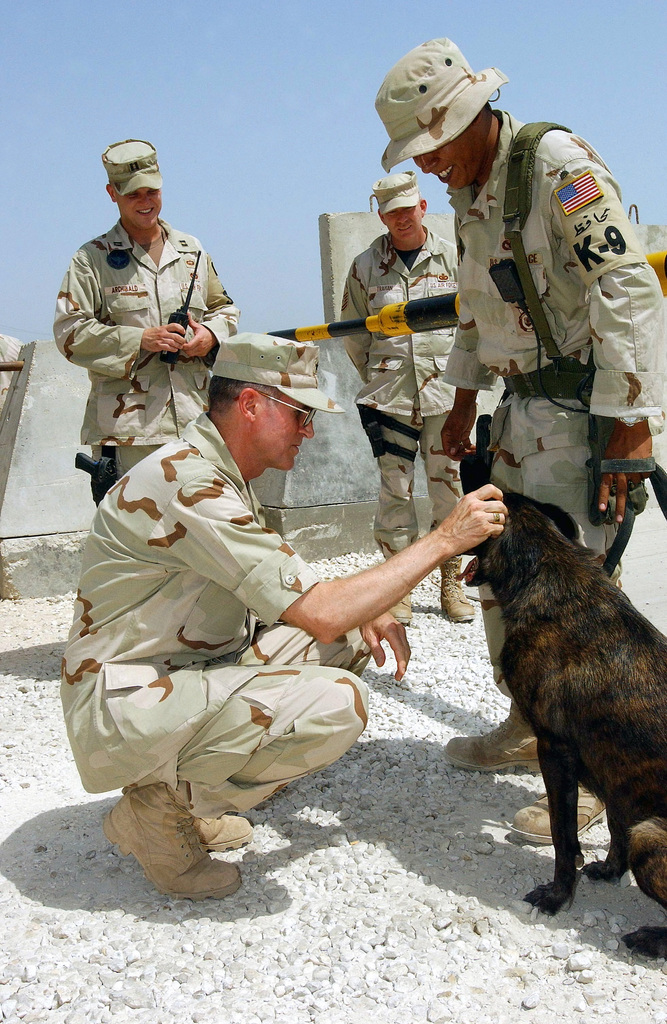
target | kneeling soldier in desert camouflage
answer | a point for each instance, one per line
(207, 665)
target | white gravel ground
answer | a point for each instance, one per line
(384, 889)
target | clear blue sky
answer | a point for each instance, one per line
(262, 113)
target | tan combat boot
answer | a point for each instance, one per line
(225, 833)
(510, 744)
(154, 824)
(533, 826)
(453, 601)
(403, 610)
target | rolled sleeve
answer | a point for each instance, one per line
(464, 370)
(275, 583)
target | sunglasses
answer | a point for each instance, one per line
(305, 415)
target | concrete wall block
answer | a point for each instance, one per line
(332, 530)
(40, 566)
(40, 490)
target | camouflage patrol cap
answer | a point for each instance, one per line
(396, 192)
(429, 98)
(289, 366)
(131, 165)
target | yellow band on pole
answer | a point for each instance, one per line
(318, 333)
(392, 320)
(658, 261)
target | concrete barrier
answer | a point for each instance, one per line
(45, 503)
(325, 506)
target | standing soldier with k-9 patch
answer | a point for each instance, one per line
(405, 399)
(148, 377)
(587, 288)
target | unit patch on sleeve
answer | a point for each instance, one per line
(580, 192)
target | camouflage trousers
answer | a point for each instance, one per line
(300, 711)
(396, 518)
(541, 451)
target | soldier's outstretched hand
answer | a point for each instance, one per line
(386, 627)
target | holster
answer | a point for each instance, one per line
(372, 420)
(103, 472)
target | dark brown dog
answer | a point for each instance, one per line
(590, 674)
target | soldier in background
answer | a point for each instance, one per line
(112, 312)
(603, 305)
(207, 665)
(404, 389)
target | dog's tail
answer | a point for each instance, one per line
(648, 857)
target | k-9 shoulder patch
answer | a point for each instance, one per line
(579, 192)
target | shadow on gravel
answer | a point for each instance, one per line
(391, 813)
(62, 859)
(401, 796)
(42, 661)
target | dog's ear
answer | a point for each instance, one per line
(474, 473)
(563, 521)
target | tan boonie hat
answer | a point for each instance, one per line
(132, 165)
(289, 366)
(429, 98)
(396, 191)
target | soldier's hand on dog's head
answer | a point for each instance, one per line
(477, 516)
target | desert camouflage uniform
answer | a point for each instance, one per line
(177, 669)
(603, 304)
(9, 351)
(101, 313)
(403, 377)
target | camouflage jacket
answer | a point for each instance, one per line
(600, 294)
(400, 372)
(177, 570)
(102, 310)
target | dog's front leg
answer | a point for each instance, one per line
(559, 770)
(617, 857)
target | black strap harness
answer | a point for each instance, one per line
(372, 420)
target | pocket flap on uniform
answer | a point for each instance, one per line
(386, 363)
(153, 712)
(142, 685)
(127, 302)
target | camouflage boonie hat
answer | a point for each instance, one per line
(131, 165)
(289, 366)
(429, 98)
(396, 192)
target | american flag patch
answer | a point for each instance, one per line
(578, 193)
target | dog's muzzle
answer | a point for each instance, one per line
(468, 573)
